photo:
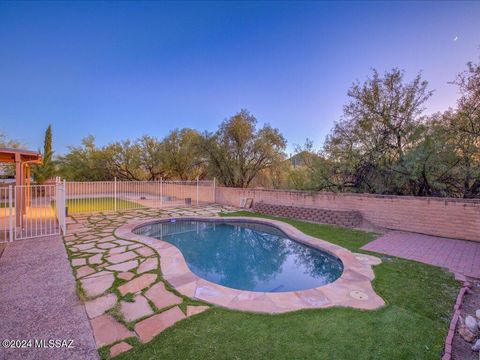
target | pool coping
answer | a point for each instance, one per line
(352, 289)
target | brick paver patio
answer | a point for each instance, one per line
(458, 256)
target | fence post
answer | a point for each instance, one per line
(197, 190)
(115, 193)
(161, 191)
(10, 206)
(63, 196)
(214, 190)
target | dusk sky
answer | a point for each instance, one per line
(119, 70)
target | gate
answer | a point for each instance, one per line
(30, 211)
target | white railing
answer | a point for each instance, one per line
(60, 206)
(35, 211)
(30, 211)
(94, 196)
(6, 214)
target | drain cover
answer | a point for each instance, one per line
(358, 295)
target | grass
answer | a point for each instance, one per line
(412, 325)
(98, 204)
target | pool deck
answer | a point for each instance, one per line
(352, 289)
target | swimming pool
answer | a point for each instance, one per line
(247, 255)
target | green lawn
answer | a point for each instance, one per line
(412, 325)
(98, 204)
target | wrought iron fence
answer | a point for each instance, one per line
(39, 210)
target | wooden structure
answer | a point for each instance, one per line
(22, 160)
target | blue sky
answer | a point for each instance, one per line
(119, 70)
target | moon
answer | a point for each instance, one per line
(455, 38)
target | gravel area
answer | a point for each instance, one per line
(462, 350)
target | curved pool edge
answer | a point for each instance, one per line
(352, 289)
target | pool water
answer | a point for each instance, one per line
(247, 256)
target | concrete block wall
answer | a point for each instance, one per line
(446, 217)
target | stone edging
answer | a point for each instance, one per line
(453, 323)
(352, 289)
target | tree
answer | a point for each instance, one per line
(123, 160)
(381, 122)
(46, 170)
(151, 157)
(84, 163)
(238, 151)
(182, 157)
(457, 132)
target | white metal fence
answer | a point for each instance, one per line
(30, 211)
(40, 210)
(6, 214)
(94, 196)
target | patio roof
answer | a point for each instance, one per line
(11, 155)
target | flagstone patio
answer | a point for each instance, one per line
(126, 298)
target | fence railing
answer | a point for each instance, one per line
(60, 207)
(6, 214)
(29, 211)
(39, 210)
(35, 211)
(94, 196)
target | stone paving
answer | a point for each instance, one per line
(458, 256)
(119, 280)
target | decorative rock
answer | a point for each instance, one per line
(98, 306)
(194, 310)
(477, 314)
(119, 348)
(118, 258)
(84, 271)
(79, 262)
(137, 284)
(107, 330)
(476, 346)
(162, 297)
(466, 334)
(97, 285)
(126, 275)
(125, 266)
(147, 265)
(149, 328)
(471, 324)
(135, 310)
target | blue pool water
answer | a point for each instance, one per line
(247, 256)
